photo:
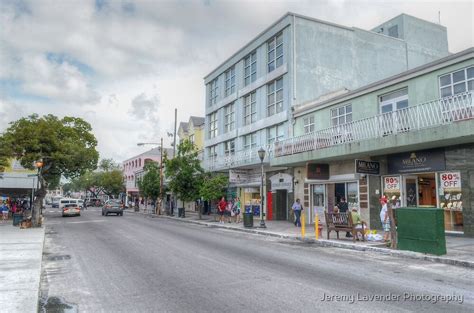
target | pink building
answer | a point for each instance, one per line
(133, 169)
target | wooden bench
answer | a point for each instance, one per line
(343, 222)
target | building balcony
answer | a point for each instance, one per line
(245, 159)
(447, 120)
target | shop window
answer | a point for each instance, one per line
(451, 200)
(353, 195)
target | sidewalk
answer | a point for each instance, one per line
(21, 252)
(460, 250)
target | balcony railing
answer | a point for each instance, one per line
(427, 115)
(238, 159)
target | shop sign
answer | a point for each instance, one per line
(251, 190)
(282, 181)
(417, 162)
(391, 184)
(367, 167)
(317, 171)
(451, 181)
(238, 176)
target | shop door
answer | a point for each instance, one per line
(411, 190)
(318, 202)
(281, 205)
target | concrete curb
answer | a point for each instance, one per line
(330, 243)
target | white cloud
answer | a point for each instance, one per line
(125, 68)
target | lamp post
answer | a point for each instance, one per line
(261, 155)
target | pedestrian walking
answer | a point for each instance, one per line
(384, 218)
(297, 209)
(343, 208)
(221, 206)
(236, 209)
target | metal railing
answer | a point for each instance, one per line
(427, 115)
(239, 158)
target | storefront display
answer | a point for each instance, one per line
(391, 186)
(450, 199)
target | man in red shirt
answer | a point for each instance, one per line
(221, 209)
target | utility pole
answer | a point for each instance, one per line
(161, 176)
(175, 123)
(174, 154)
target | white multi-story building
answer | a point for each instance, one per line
(297, 60)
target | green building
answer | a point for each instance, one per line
(409, 137)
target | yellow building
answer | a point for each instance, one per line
(194, 131)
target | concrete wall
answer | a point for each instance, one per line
(329, 58)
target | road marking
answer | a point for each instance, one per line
(91, 221)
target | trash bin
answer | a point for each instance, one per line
(248, 219)
(421, 230)
(17, 218)
(181, 212)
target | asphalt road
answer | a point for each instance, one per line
(142, 264)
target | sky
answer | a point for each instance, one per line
(124, 66)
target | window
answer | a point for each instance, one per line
(275, 97)
(212, 151)
(229, 147)
(213, 92)
(229, 118)
(191, 138)
(393, 31)
(457, 82)
(230, 81)
(394, 101)
(213, 125)
(275, 52)
(250, 108)
(250, 68)
(275, 133)
(341, 115)
(394, 117)
(250, 141)
(308, 123)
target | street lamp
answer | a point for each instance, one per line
(261, 155)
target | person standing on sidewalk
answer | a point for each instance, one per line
(221, 206)
(236, 209)
(4, 209)
(297, 209)
(344, 208)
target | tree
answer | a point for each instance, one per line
(149, 185)
(65, 146)
(108, 179)
(184, 172)
(212, 187)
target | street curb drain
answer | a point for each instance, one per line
(327, 243)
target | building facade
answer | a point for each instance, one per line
(133, 170)
(251, 96)
(409, 137)
(193, 130)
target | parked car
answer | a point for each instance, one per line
(113, 206)
(71, 209)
